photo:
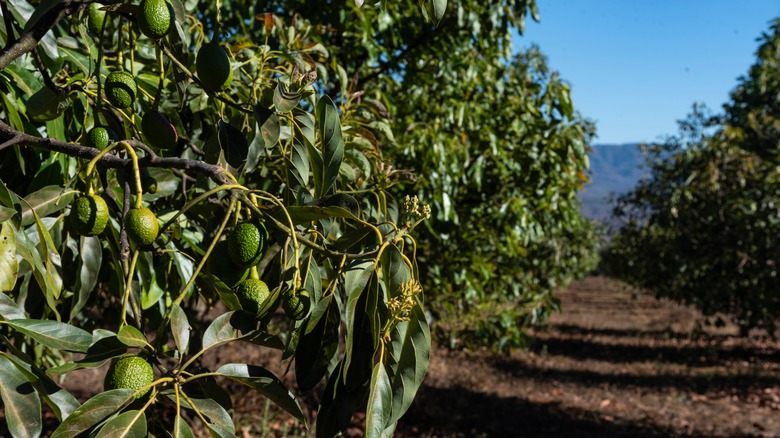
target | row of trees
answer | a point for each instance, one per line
(702, 229)
(387, 149)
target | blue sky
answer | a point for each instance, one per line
(637, 66)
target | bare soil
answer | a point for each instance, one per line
(614, 363)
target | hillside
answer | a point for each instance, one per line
(614, 169)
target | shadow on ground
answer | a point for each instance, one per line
(461, 412)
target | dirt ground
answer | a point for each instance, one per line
(613, 364)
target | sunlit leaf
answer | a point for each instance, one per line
(59, 400)
(22, 406)
(130, 424)
(92, 412)
(380, 402)
(53, 334)
(266, 383)
(132, 337)
(180, 327)
(9, 265)
(332, 143)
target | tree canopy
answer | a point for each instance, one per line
(701, 229)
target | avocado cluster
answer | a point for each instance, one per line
(89, 216)
(234, 258)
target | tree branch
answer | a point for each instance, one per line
(213, 171)
(30, 39)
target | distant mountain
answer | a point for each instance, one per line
(614, 169)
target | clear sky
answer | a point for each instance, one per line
(637, 66)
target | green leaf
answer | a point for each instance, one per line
(226, 328)
(130, 424)
(9, 265)
(181, 429)
(380, 402)
(221, 422)
(332, 143)
(233, 144)
(51, 261)
(180, 327)
(317, 346)
(304, 214)
(9, 309)
(356, 279)
(91, 255)
(304, 126)
(92, 412)
(59, 400)
(263, 381)
(285, 100)
(337, 405)
(439, 7)
(105, 346)
(270, 128)
(132, 337)
(41, 9)
(395, 271)
(53, 334)
(298, 167)
(410, 350)
(6, 213)
(22, 406)
(8, 198)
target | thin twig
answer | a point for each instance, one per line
(10, 142)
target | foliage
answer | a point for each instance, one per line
(702, 229)
(495, 146)
(272, 147)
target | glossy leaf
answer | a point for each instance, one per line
(285, 100)
(53, 334)
(9, 265)
(46, 201)
(92, 412)
(356, 279)
(91, 254)
(51, 260)
(332, 143)
(221, 423)
(105, 346)
(410, 350)
(380, 402)
(22, 406)
(132, 337)
(233, 143)
(130, 424)
(227, 327)
(181, 429)
(266, 383)
(181, 328)
(439, 7)
(308, 213)
(269, 125)
(9, 309)
(61, 402)
(317, 346)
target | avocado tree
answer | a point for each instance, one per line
(702, 228)
(162, 158)
(484, 132)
